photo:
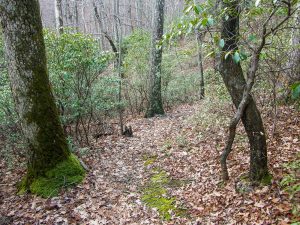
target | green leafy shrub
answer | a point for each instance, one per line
(295, 91)
(291, 184)
(178, 86)
(83, 94)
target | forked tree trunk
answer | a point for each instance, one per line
(235, 82)
(34, 101)
(155, 105)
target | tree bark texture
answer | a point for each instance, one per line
(34, 101)
(155, 105)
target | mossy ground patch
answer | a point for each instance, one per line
(155, 192)
(65, 174)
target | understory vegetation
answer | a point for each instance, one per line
(86, 94)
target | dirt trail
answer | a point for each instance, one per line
(111, 192)
(120, 166)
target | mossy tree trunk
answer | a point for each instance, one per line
(34, 101)
(235, 82)
(155, 105)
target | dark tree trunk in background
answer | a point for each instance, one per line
(76, 15)
(235, 82)
(200, 37)
(139, 11)
(118, 61)
(84, 22)
(100, 19)
(68, 13)
(35, 104)
(129, 11)
(59, 16)
(155, 105)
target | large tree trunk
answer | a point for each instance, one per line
(155, 105)
(59, 16)
(35, 104)
(234, 80)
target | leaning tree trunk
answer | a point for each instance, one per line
(155, 105)
(34, 101)
(234, 80)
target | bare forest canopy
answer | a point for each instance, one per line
(133, 14)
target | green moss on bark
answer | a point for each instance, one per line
(65, 174)
(49, 147)
(50, 163)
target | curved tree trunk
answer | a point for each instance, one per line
(35, 105)
(155, 105)
(235, 82)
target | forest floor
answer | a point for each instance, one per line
(169, 154)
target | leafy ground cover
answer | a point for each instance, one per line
(120, 170)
